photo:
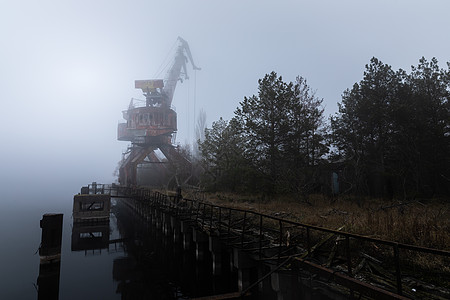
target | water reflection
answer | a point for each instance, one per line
(144, 256)
(48, 281)
(159, 266)
(86, 236)
(153, 261)
(50, 257)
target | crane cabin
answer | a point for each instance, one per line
(151, 121)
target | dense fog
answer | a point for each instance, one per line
(68, 69)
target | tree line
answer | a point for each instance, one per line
(389, 138)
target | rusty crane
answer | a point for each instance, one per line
(150, 126)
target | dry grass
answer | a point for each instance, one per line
(421, 223)
(424, 223)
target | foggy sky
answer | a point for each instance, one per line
(68, 67)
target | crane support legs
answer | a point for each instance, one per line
(145, 154)
(128, 168)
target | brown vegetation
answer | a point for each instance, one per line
(423, 223)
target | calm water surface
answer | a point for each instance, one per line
(144, 265)
(82, 275)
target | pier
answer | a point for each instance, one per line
(279, 257)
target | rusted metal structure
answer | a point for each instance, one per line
(150, 124)
(91, 208)
(350, 264)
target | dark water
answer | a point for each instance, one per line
(142, 264)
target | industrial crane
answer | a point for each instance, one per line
(151, 126)
(173, 75)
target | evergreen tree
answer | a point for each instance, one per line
(430, 88)
(305, 145)
(265, 127)
(362, 126)
(392, 129)
(284, 133)
(222, 157)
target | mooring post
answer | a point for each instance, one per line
(51, 225)
(245, 265)
(201, 243)
(216, 250)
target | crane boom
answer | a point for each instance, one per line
(174, 73)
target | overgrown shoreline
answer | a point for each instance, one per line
(423, 223)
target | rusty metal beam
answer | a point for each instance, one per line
(351, 283)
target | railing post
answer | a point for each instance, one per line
(220, 219)
(243, 230)
(281, 239)
(260, 236)
(349, 258)
(308, 242)
(397, 269)
(229, 221)
(203, 215)
(211, 220)
(198, 211)
(189, 208)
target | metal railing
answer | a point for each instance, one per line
(268, 237)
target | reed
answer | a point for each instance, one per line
(421, 223)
